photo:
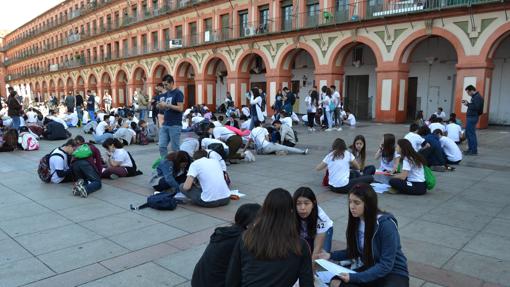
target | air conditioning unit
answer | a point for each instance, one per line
(175, 43)
(249, 31)
(53, 67)
(207, 36)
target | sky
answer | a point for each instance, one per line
(14, 13)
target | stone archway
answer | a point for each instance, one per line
(120, 89)
(185, 81)
(213, 83)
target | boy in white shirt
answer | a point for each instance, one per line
(260, 136)
(350, 119)
(414, 138)
(450, 148)
(454, 132)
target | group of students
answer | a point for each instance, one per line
(276, 244)
(128, 129)
(82, 163)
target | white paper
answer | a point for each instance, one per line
(380, 187)
(332, 267)
(325, 276)
(236, 192)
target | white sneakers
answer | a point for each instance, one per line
(249, 156)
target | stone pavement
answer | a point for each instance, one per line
(456, 235)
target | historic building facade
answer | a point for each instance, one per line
(389, 58)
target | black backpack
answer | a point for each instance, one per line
(160, 201)
(217, 147)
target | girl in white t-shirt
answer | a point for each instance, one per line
(314, 225)
(338, 163)
(311, 108)
(411, 180)
(119, 162)
(390, 158)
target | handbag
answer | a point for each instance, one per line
(83, 151)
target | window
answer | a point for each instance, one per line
(312, 13)
(108, 52)
(193, 33)
(166, 34)
(155, 6)
(134, 11)
(117, 49)
(155, 41)
(109, 22)
(208, 33)
(116, 20)
(225, 27)
(286, 15)
(243, 24)
(125, 47)
(134, 45)
(101, 24)
(178, 32)
(145, 45)
(263, 19)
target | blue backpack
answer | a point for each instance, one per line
(160, 201)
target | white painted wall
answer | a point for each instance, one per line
(303, 66)
(499, 107)
(221, 90)
(367, 68)
(435, 82)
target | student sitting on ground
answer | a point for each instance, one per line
(171, 172)
(119, 162)
(211, 269)
(436, 123)
(349, 118)
(450, 148)
(55, 131)
(358, 149)
(125, 133)
(87, 175)
(285, 119)
(96, 159)
(59, 163)
(230, 138)
(287, 135)
(373, 245)
(414, 138)
(433, 153)
(244, 122)
(260, 136)
(103, 131)
(8, 139)
(313, 223)
(388, 155)
(338, 163)
(54, 117)
(454, 130)
(143, 135)
(411, 179)
(209, 192)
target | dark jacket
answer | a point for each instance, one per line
(475, 107)
(386, 251)
(211, 269)
(166, 170)
(14, 106)
(55, 131)
(246, 271)
(434, 154)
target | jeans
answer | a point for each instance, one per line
(163, 185)
(274, 147)
(92, 186)
(169, 134)
(79, 111)
(16, 122)
(100, 139)
(471, 134)
(329, 116)
(92, 115)
(367, 170)
(143, 112)
(352, 182)
(86, 171)
(336, 117)
(407, 187)
(326, 246)
(195, 195)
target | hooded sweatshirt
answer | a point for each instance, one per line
(212, 267)
(386, 251)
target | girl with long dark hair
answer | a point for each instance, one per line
(311, 107)
(256, 107)
(119, 162)
(271, 253)
(388, 155)
(411, 180)
(313, 223)
(171, 171)
(338, 162)
(359, 150)
(373, 245)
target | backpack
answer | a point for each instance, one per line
(430, 179)
(141, 137)
(43, 170)
(28, 141)
(160, 201)
(133, 171)
(217, 147)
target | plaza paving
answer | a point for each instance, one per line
(456, 235)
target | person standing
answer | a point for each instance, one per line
(172, 104)
(107, 100)
(91, 105)
(70, 102)
(143, 101)
(14, 107)
(79, 108)
(311, 107)
(474, 110)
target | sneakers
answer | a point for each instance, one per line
(79, 189)
(328, 130)
(248, 156)
(306, 152)
(339, 129)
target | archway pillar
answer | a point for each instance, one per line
(391, 95)
(206, 91)
(275, 80)
(325, 77)
(150, 85)
(478, 74)
(238, 84)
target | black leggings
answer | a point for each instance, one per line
(352, 182)
(391, 280)
(311, 119)
(416, 188)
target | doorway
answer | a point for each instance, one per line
(191, 95)
(357, 96)
(412, 92)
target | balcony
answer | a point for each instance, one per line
(340, 15)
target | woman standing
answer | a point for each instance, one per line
(256, 110)
(338, 163)
(313, 223)
(271, 252)
(329, 108)
(411, 180)
(373, 245)
(311, 107)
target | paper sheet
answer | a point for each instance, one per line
(325, 276)
(332, 267)
(380, 187)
